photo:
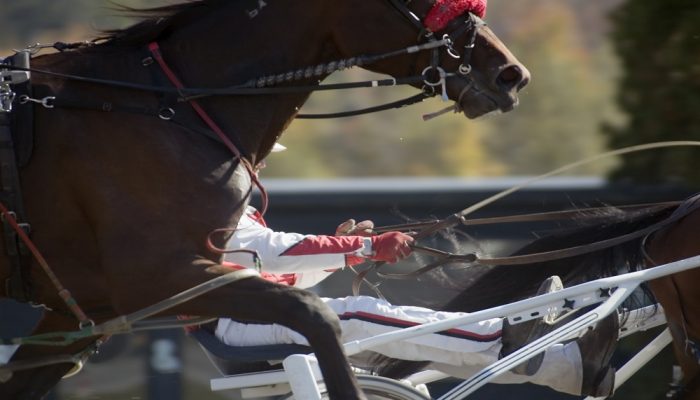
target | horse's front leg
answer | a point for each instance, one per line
(257, 300)
(35, 383)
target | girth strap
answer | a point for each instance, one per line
(16, 285)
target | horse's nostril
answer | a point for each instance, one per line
(511, 77)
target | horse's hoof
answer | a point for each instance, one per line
(597, 347)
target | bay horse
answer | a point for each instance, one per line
(658, 234)
(127, 180)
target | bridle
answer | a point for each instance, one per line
(432, 77)
(468, 27)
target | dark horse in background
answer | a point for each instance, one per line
(121, 202)
(672, 239)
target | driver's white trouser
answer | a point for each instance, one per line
(459, 352)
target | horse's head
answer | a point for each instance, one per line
(481, 74)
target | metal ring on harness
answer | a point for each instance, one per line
(441, 82)
(86, 324)
(448, 46)
(441, 74)
(166, 113)
(7, 96)
(47, 101)
(429, 90)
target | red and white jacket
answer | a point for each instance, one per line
(292, 258)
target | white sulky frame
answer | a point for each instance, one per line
(301, 372)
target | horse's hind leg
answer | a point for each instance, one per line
(257, 300)
(35, 383)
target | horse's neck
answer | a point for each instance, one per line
(229, 46)
(207, 53)
(237, 46)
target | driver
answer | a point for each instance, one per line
(580, 367)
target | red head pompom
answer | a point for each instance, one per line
(445, 11)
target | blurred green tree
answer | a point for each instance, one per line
(659, 45)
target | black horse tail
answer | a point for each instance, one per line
(509, 283)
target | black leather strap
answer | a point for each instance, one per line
(17, 285)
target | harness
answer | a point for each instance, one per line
(431, 78)
(15, 151)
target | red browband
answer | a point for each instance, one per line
(445, 11)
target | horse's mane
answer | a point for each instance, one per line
(156, 22)
(504, 284)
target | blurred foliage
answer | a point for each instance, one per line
(23, 22)
(562, 42)
(659, 47)
(559, 117)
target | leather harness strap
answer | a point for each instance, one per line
(17, 285)
(157, 55)
(18, 246)
(534, 217)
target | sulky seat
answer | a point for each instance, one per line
(230, 360)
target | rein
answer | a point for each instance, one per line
(683, 209)
(434, 226)
(431, 227)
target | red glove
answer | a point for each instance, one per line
(391, 247)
